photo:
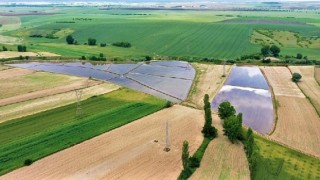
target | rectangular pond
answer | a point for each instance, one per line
(254, 103)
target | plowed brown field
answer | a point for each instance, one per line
(134, 151)
(298, 122)
(209, 82)
(222, 159)
(308, 84)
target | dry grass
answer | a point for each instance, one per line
(49, 92)
(34, 106)
(317, 74)
(15, 54)
(14, 72)
(280, 80)
(209, 82)
(129, 152)
(298, 122)
(308, 84)
(3, 67)
(298, 125)
(23, 84)
(222, 159)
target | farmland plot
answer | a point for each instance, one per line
(29, 107)
(222, 159)
(23, 82)
(209, 81)
(308, 84)
(317, 74)
(134, 151)
(14, 72)
(298, 122)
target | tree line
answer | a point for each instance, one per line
(93, 42)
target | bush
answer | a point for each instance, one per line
(122, 44)
(103, 44)
(296, 77)
(266, 61)
(70, 39)
(299, 56)
(92, 42)
(22, 48)
(83, 58)
(168, 104)
(27, 162)
(148, 58)
(194, 162)
(4, 48)
(185, 174)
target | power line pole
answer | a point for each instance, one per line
(167, 147)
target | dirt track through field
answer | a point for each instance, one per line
(14, 72)
(29, 107)
(48, 92)
(129, 152)
(209, 82)
(308, 84)
(298, 122)
(222, 159)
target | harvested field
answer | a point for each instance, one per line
(15, 54)
(48, 92)
(222, 159)
(298, 122)
(34, 106)
(308, 84)
(3, 67)
(298, 125)
(23, 84)
(209, 81)
(317, 74)
(280, 80)
(129, 152)
(14, 72)
(9, 40)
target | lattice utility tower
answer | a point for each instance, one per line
(167, 147)
(79, 108)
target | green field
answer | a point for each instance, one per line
(161, 33)
(278, 162)
(42, 134)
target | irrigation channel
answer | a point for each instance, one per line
(248, 91)
(169, 80)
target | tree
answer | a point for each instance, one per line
(296, 77)
(208, 130)
(299, 56)
(4, 48)
(232, 127)
(265, 50)
(225, 110)
(275, 50)
(148, 58)
(21, 48)
(92, 42)
(70, 39)
(185, 155)
(249, 142)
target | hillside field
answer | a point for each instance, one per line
(165, 33)
(39, 135)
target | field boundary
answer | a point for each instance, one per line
(307, 97)
(274, 102)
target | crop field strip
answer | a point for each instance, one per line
(279, 162)
(308, 84)
(317, 74)
(298, 122)
(39, 135)
(33, 106)
(155, 78)
(222, 159)
(133, 151)
(209, 81)
(17, 82)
